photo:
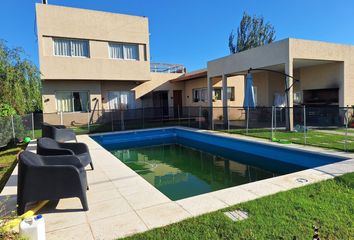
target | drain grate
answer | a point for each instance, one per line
(302, 180)
(237, 215)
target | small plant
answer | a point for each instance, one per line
(8, 235)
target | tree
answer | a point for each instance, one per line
(20, 84)
(252, 32)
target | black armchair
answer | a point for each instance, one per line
(49, 178)
(58, 132)
(47, 147)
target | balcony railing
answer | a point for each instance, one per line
(167, 68)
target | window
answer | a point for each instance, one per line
(72, 101)
(298, 97)
(217, 93)
(121, 100)
(200, 94)
(231, 93)
(124, 51)
(255, 92)
(71, 47)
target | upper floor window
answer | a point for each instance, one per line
(71, 47)
(124, 51)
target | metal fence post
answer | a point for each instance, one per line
(346, 128)
(212, 119)
(88, 121)
(200, 117)
(142, 109)
(248, 115)
(179, 117)
(189, 116)
(228, 118)
(272, 136)
(111, 113)
(275, 119)
(61, 118)
(305, 127)
(13, 128)
(32, 125)
(122, 119)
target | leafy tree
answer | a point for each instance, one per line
(252, 32)
(20, 84)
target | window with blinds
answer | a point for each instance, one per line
(123, 51)
(71, 47)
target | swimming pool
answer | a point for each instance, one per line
(183, 162)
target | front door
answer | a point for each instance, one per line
(177, 103)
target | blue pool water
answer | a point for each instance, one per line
(183, 163)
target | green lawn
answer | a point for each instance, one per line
(350, 130)
(314, 138)
(7, 163)
(286, 215)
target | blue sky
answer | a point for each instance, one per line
(191, 32)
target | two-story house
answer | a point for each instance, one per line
(92, 61)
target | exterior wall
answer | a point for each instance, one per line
(261, 82)
(272, 54)
(236, 81)
(99, 28)
(322, 76)
(276, 84)
(107, 86)
(49, 88)
(159, 82)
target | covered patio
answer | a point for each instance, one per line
(320, 75)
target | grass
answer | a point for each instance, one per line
(314, 138)
(285, 215)
(7, 163)
(350, 130)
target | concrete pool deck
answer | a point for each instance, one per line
(122, 203)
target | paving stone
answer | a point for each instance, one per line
(163, 214)
(201, 204)
(78, 232)
(103, 209)
(117, 226)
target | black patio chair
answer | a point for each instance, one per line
(47, 147)
(58, 132)
(49, 178)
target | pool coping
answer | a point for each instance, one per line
(123, 203)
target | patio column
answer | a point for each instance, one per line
(224, 101)
(290, 96)
(210, 101)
